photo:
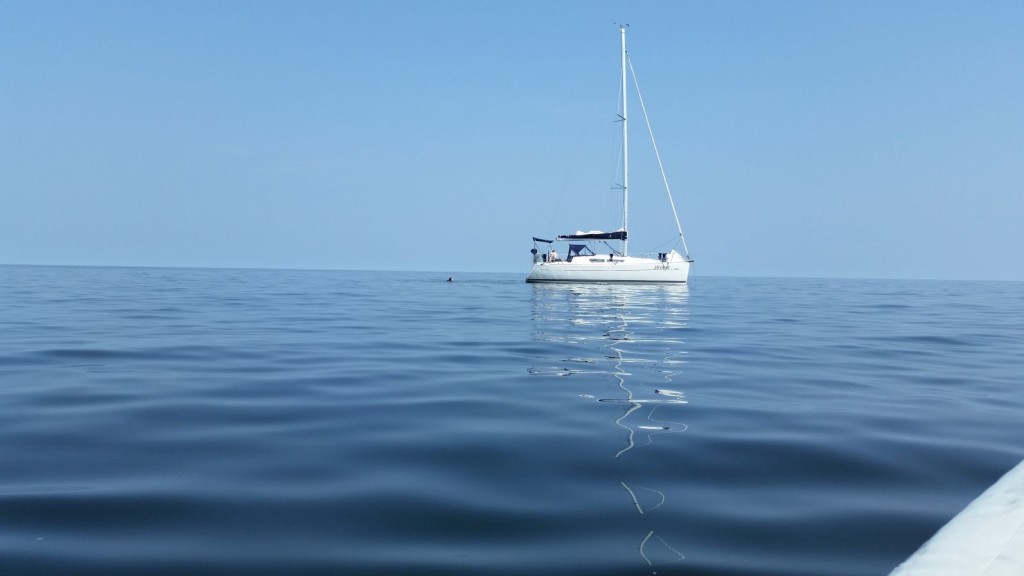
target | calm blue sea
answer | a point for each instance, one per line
(257, 422)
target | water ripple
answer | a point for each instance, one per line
(167, 421)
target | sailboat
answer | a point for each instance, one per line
(589, 257)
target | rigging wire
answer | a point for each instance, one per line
(657, 155)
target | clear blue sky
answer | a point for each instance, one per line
(801, 138)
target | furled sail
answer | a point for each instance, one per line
(594, 235)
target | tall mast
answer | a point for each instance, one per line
(625, 150)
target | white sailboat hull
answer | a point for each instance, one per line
(619, 269)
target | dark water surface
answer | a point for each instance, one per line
(185, 421)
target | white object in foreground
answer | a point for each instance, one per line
(985, 539)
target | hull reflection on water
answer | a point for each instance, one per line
(632, 344)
